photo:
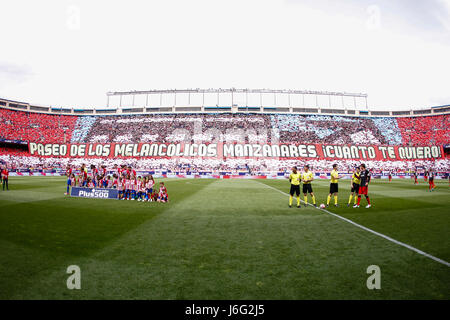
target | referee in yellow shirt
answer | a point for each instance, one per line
(354, 184)
(307, 178)
(334, 185)
(294, 179)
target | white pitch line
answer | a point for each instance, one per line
(372, 231)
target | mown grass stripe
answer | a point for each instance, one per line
(372, 231)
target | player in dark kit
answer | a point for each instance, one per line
(364, 185)
(431, 184)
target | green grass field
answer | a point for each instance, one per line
(222, 239)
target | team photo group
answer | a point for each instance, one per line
(130, 186)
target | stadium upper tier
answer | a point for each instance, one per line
(239, 127)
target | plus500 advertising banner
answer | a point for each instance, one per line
(94, 193)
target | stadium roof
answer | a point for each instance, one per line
(238, 101)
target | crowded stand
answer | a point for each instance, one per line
(234, 166)
(81, 129)
(179, 127)
(29, 126)
(230, 128)
(334, 129)
(247, 128)
(425, 130)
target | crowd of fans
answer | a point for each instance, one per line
(82, 127)
(336, 129)
(245, 128)
(249, 128)
(425, 130)
(232, 165)
(36, 127)
(13, 152)
(179, 127)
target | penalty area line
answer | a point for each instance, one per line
(371, 231)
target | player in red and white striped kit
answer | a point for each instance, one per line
(103, 170)
(163, 195)
(149, 187)
(115, 179)
(133, 188)
(90, 183)
(127, 195)
(121, 188)
(109, 182)
(139, 188)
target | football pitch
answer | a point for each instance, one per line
(224, 239)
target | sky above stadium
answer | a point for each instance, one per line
(70, 53)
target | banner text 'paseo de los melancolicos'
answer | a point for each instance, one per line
(235, 150)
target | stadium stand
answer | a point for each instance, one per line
(82, 127)
(332, 129)
(227, 127)
(425, 130)
(234, 166)
(38, 127)
(249, 128)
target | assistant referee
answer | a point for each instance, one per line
(307, 178)
(334, 187)
(294, 179)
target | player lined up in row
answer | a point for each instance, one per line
(124, 179)
(358, 186)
